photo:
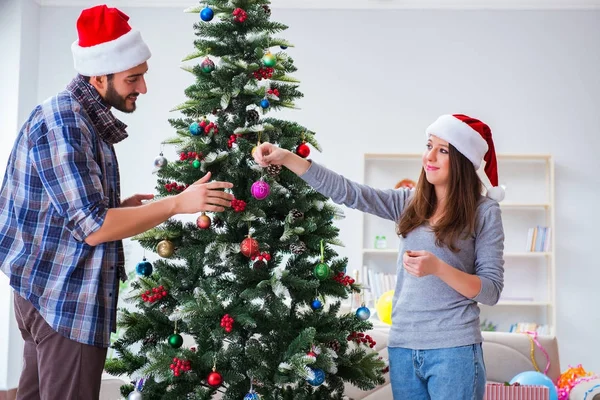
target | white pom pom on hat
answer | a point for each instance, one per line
(473, 139)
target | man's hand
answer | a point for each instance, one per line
(136, 200)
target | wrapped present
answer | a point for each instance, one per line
(497, 391)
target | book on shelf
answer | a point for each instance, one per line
(524, 327)
(539, 239)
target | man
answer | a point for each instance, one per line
(61, 218)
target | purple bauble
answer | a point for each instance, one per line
(260, 190)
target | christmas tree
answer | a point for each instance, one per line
(258, 288)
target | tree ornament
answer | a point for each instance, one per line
(165, 248)
(260, 260)
(322, 271)
(252, 117)
(238, 205)
(298, 248)
(283, 47)
(319, 377)
(260, 190)
(296, 215)
(303, 150)
(144, 268)
(269, 60)
(135, 395)
(218, 222)
(195, 128)
(175, 340)
(363, 313)
(249, 247)
(178, 366)
(207, 66)
(214, 378)
(316, 304)
(154, 295)
(267, 9)
(207, 14)
(334, 345)
(274, 170)
(196, 164)
(264, 103)
(160, 161)
(251, 395)
(263, 73)
(203, 221)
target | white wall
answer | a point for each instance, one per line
(19, 40)
(373, 80)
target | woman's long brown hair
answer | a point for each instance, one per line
(458, 217)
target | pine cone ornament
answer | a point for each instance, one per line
(273, 170)
(150, 340)
(218, 222)
(334, 345)
(267, 9)
(296, 215)
(298, 248)
(252, 117)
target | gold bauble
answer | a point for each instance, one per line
(165, 248)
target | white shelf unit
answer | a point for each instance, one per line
(529, 277)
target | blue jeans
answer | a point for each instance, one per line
(455, 373)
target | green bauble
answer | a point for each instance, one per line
(175, 340)
(269, 60)
(196, 164)
(322, 271)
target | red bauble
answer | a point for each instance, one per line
(303, 150)
(203, 221)
(214, 379)
(311, 354)
(249, 247)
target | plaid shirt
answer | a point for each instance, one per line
(62, 177)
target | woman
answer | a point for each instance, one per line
(451, 255)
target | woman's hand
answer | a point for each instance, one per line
(267, 154)
(421, 263)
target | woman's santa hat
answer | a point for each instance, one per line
(106, 43)
(473, 139)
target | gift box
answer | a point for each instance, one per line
(495, 391)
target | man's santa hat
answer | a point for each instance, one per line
(473, 139)
(106, 43)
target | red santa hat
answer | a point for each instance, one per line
(106, 43)
(473, 139)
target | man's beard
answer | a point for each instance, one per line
(117, 101)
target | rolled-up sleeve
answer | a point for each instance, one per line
(489, 256)
(65, 163)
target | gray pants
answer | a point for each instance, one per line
(54, 367)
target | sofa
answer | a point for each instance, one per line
(505, 355)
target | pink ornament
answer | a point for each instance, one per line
(260, 190)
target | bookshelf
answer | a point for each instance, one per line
(529, 276)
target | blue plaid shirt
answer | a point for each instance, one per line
(62, 177)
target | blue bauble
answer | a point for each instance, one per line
(252, 396)
(363, 313)
(264, 103)
(144, 268)
(283, 47)
(195, 129)
(207, 14)
(316, 304)
(319, 377)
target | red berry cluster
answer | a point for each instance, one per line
(155, 294)
(180, 366)
(175, 187)
(240, 15)
(263, 73)
(343, 279)
(264, 256)
(359, 337)
(238, 205)
(207, 126)
(386, 369)
(273, 92)
(227, 323)
(190, 155)
(232, 139)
